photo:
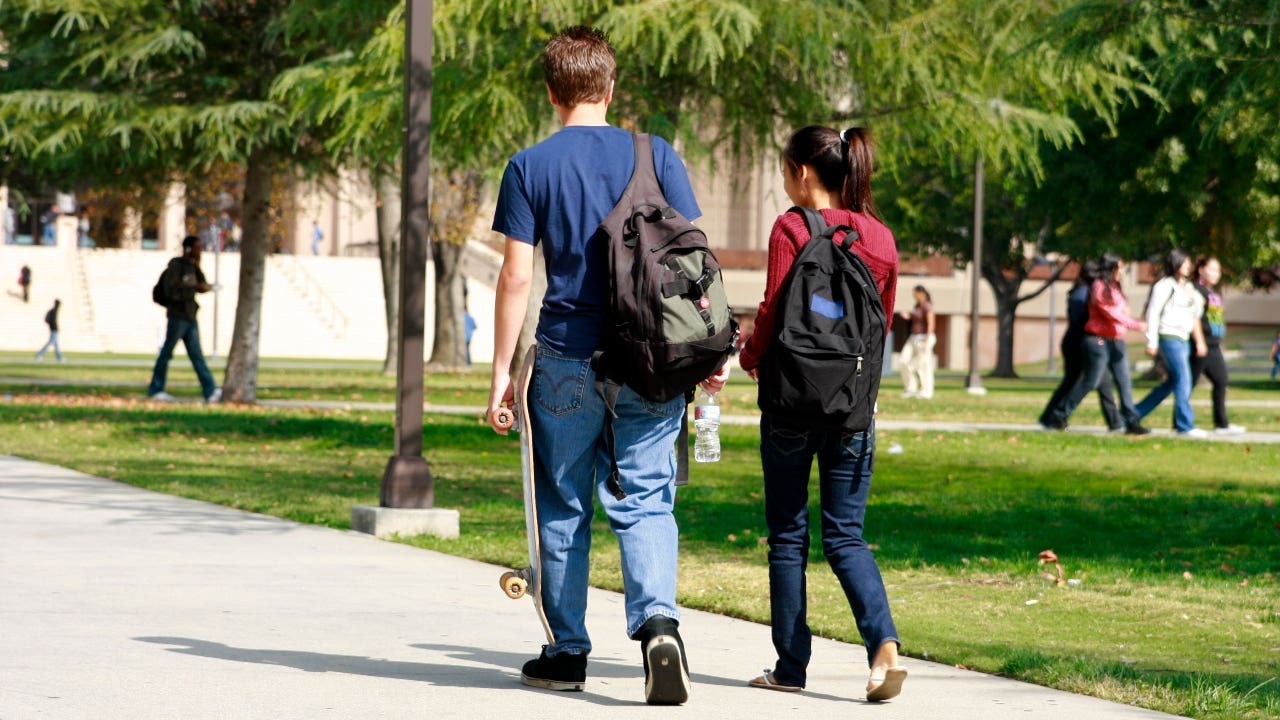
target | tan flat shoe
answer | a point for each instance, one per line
(767, 682)
(886, 686)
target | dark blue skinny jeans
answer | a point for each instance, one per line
(189, 333)
(845, 462)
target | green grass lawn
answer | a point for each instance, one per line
(1171, 547)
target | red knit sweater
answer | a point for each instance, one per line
(875, 245)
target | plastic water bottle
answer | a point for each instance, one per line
(706, 419)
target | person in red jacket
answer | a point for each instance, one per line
(1104, 348)
(829, 171)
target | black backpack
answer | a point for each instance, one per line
(668, 325)
(823, 368)
(158, 295)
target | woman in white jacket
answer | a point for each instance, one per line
(1173, 324)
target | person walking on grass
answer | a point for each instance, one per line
(51, 319)
(917, 355)
(1213, 364)
(1073, 354)
(829, 171)
(181, 281)
(1174, 309)
(1104, 348)
(555, 194)
(1275, 357)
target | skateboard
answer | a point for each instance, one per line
(526, 581)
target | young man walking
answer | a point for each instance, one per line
(182, 280)
(51, 319)
(553, 197)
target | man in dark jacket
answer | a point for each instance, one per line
(181, 281)
(51, 319)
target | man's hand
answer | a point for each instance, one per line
(1201, 349)
(1152, 352)
(501, 399)
(716, 382)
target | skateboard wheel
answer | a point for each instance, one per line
(504, 417)
(513, 585)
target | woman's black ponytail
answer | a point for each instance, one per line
(842, 160)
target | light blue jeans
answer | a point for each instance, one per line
(1177, 360)
(571, 466)
(52, 343)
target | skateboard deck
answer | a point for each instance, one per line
(526, 581)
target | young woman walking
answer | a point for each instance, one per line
(917, 355)
(1173, 324)
(829, 171)
(1213, 326)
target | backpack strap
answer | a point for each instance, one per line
(609, 389)
(812, 218)
(818, 225)
(682, 445)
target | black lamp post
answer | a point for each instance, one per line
(406, 482)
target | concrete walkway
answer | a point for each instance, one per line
(117, 602)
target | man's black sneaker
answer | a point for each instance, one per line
(666, 669)
(1049, 423)
(1137, 429)
(559, 672)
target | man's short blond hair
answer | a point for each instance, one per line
(579, 66)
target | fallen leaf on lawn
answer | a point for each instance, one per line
(1186, 575)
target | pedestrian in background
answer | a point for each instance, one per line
(1275, 357)
(1213, 365)
(1104, 348)
(51, 319)
(1174, 309)
(917, 355)
(181, 281)
(1073, 355)
(24, 282)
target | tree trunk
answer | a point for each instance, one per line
(241, 382)
(455, 204)
(1005, 289)
(389, 257)
(448, 346)
(1006, 313)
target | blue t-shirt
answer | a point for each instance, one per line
(557, 193)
